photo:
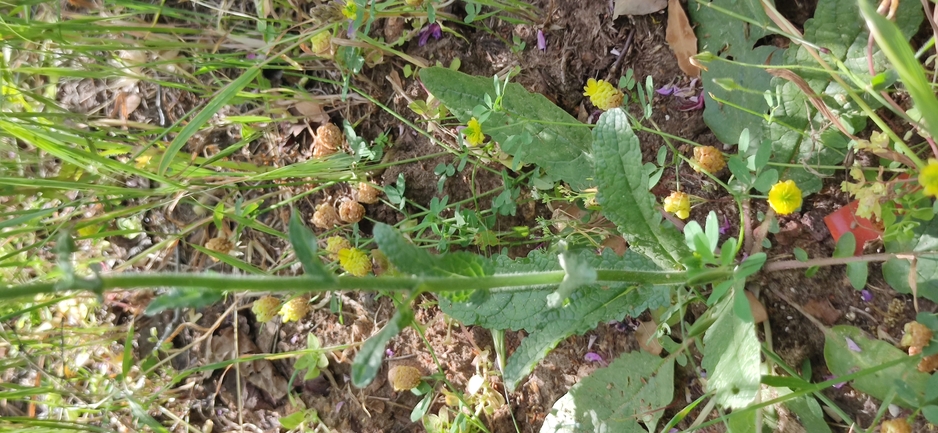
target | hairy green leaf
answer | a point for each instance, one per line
(843, 358)
(629, 394)
(799, 133)
(736, 41)
(896, 271)
(304, 245)
(624, 195)
(369, 358)
(731, 357)
(559, 145)
(586, 306)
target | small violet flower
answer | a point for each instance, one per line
(866, 295)
(594, 357)
(541, 41)
(852, 345)
(431, 30)
(725, 227)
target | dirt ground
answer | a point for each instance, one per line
(583, 41)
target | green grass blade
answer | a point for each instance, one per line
(219, 101)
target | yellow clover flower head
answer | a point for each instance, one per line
(350, 10)
(709, 159)
(355, 261)
(928, 178)
(678, 203)
(602, 94)
(785, 197)
(334, 244)
(473, 132)
(322, 43)
(294, 309)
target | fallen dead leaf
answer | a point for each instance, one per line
(312, 111)
(823, 311)
(645, 335)
(637, 7)
(261, 373)
(681, 38)
(758, 310)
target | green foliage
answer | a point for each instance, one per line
(731, 356)
(313, 361)
(843, 357)
(558, 143)
(628, 396)
(743, 106)
(624, 195)
(369, 358)
(891, 38)
(585, 307)
(896, 271)
(304, 246)
(801, 135)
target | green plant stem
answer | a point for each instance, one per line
(497, 283)
(833, 261)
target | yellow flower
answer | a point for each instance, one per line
(785, 197)
(473, 132)
(355, 261)
(928, 178)
(266, 308)
(602, 94)
(350, 10)
(335, 244)
(709, 159)
(678, 203)
(295, 309)
(322, 43)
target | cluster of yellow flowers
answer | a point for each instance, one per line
(784, 198)
(602, 94)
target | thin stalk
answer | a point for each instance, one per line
(497, 283)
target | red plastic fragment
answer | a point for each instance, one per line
(845, 220)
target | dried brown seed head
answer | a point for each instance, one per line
(404, 377)
(329, 136)
(325, 217)
(351, 211)
(896, 426)
(220, 244)
(709, 159)
(367, 194)
(916, 335)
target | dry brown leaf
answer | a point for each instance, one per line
(312, 111)
(637, 7)
(261, 373)
(823, 311)
(646, 338)
(758, 310)
(681, 38)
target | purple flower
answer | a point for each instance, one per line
(667, 90)
(852, 345)
(866, 295)
(432, 30)
(693, 103)
(594, 357)
(389, 353)
(725, 227)
(836, 385)
(541, 40)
